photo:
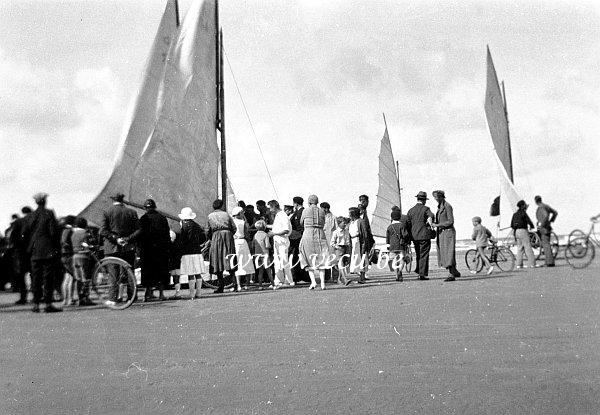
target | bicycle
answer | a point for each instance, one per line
(536, 244)
(581, 249)
(499, 255)
(109, 269)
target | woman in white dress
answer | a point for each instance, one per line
(242, 250)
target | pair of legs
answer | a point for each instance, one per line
(312, 273)
(545, 242)
(422, 248)
(82, 273)
(261, 271)
(281, 264)
(195, 285)
(484, 258)
(221, 280)
(42, 278)
(524, 245)
(396, 263)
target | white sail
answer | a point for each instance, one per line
(388, 193)
(497, 121)
(177, 161)
(141, 118)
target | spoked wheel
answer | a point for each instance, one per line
(210, 281)
(112, 269)
(505, 259)
(554, 244)
(473, 262)
(580, 253)
(576, 234)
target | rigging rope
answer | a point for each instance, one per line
(250, 122)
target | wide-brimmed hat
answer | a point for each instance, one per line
(40, 197)
(422, 195)
(187, 213)
(236, 210)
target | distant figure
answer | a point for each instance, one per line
(520, 222)
(155, 244)
(342, 248)
(280, 231)
(481, 235)
(21, 257)
(250, 216)
(120, 227)
(241, 238)
(398, 239)
(261, 248)
(421, 218)
(363, 203)
(298, 272)
(263, 211)
(66, 260)
(446, 235)
(314, 249)
(328, 228)
(189, 244)
(545, 216)
(222, 247)
(359, 237)
(82, 260)
(41, 231)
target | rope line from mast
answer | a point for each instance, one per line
(251, 124)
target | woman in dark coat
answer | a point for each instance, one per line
(155, 244)
(446, 235)
(190, 242)
(222, 248)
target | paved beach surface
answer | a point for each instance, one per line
(515, 343)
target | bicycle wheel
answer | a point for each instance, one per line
(473, 261)
(580, 253)
(108, 271)
(576, 234)
(505, 259)
(554, 244)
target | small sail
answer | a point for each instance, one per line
(497, 120)
(141, 118)
(231, 199)
(177, 165)
(388, 193)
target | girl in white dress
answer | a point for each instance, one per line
(242, 250)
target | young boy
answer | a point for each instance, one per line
(82, 260)
(481, 235)
(261, 245)
(397, 237)
(340, 242)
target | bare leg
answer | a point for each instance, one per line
(322, 277)
(313, 281)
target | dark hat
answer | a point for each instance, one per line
(325, 205)
(297, 199)
(422, 195)
(118, 197)
(149, 204)
(441, 193)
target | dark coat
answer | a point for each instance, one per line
(297, 226)
(369, 240)
(191, 238)
(42, 233)
(417, 215)
(155, 243)
(398, 235)
(446, 235)
(119, 222)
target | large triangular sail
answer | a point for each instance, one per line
(388, 193)
(497, 120)
(170, 153)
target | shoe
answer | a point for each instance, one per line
(312, 286)
(274, 287)
(347, 282)
(399, 277)
(86, 302)
(36, 308)
(21, 302)
(110, 303)
(52, 309)
(245, 288)
(360, 281)
(450, 278)
(473, 272)
(551, 265)
(218, 291)
(292, 284)
(423, 278)
(162, 298)
(175, 297)
(490, 270)
(519, 266)
(322, 287)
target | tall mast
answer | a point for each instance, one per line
(220, 116)
(177, 13)
(508, 134)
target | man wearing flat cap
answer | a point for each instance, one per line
(421, 218)
(41, 230)
(446, 235)
(120, 226)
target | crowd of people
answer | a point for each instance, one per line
(265, 246)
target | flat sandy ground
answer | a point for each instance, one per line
(517, 343)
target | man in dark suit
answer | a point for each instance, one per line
(363, 203)
(421, 218)
(120, 227)
(41, 230)
(298, 273)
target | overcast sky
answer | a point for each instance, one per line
(316, 76)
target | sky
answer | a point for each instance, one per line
(315, 78)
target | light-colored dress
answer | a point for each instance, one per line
(242, 250)
(314, 249)
(357, 263)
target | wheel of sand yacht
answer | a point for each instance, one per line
(580, 253)
(576, 234)
(473, 261)
(553, 246)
